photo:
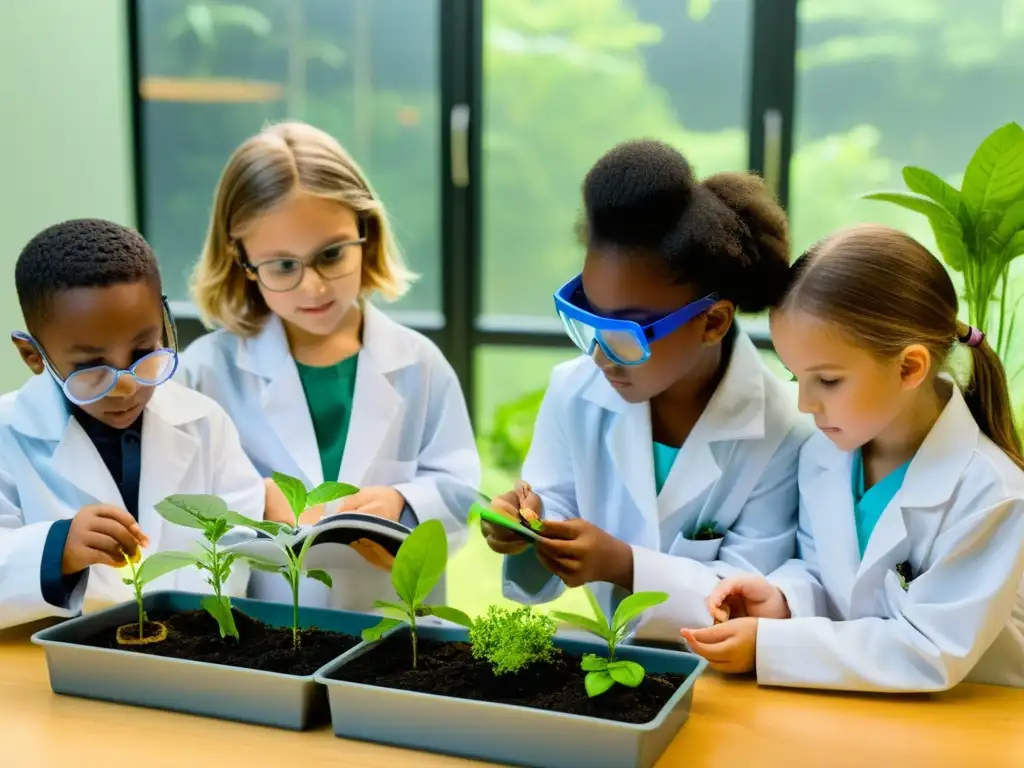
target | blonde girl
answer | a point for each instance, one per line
(910, 569)
(321, 383)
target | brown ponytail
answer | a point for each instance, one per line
(988, 397)
(888, 291)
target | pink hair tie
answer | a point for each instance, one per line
(974, 338)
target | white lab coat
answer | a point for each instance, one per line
(959, 521)
(409, 429)
(49, 469)
(592, 456)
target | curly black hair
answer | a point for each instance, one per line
(726, 234)
(81, 253)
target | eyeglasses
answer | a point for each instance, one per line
(623, 341)
(87, 385)
(280, 275)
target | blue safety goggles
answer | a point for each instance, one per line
(88, 385)
(623, 341)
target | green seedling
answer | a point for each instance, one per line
(210, 515)
(299, 500)
(152, 568)
(706, 532)
(513, 639)
(603, 673)
(418, 567)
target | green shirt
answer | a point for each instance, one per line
(329, 392)
(664, 458)
(869, 504)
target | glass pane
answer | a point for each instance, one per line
(214, 72)
(883, 85)
(563, 83)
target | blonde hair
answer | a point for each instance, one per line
(887, 291)
(261, 174)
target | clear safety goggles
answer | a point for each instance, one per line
(88, 385)
(624, 342)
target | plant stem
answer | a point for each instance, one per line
(412, 632)
(295, 609)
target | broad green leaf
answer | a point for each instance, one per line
(448, 613)
(595, 606)
(933, 187)
(949, 235)
(191, 510)
(216, 529)
(910, 202)
(593, 663)
(400, 609)
(420, 562)
(634, 605)
(1011, 223)
(995, 174)
(129, 582)
(220, 610)
(262, 565)
(161, 563)
(376, 632)
(583, 622)
(237, 520)
(597, 683)
(293, 490)
(329, 491)
(627, 673)
(322, 576)
(1015, 247)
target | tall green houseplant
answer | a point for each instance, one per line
(978, 228)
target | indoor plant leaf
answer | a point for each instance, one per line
(582, 622)
(261, 565)
(220, 610)
(995, 174)
(322, 576)
(191, 510)
(267, 526)
(391, 606)
(420, 562)
(926, 183)
(1011, 223)
(329, 491)
(1015, 247)
(634, 605)
(598, 682)
(593, 663)
(294, 491)
(160, 563)
(595, 606)
(627, 673)
(947, 228)
(377, 631)
(448, 613)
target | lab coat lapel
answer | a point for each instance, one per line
(828, 490)
(283, 400)
(631, 448)
(376, 402)
(42, 412)
(167, 454)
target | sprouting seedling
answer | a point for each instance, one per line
(513, 639)
(603, 673)
(152, 568)
(293, 569)
(210, 515)
(418, 566)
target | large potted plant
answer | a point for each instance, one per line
(979, 228)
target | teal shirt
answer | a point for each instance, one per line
(329, 392)
(871, 503)
(664, 458)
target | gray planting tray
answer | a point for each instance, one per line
(181, 685)
(507, 734)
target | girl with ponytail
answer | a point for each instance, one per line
(909, 574)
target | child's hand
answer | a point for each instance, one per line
(522, 500)
(730, 647)
(101, 535)
(378, 500)
(579, 552)
(741, 596)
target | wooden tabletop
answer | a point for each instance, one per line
(733, 723)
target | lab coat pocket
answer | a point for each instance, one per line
(892, 595)
(703, 550)
(390, 473)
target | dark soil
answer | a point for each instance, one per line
(449, 669)
(194, 635)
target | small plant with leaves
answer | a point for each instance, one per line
(210, 515)
(294, 566)
(418, 567)
(603, 673)
(146, 632)
(705, 532)
(513, 639)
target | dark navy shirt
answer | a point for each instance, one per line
(121, 451)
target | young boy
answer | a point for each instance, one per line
(99, 434)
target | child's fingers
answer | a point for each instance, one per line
(721, 614)
(559, 529)
(502, 505)
(715, 650)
